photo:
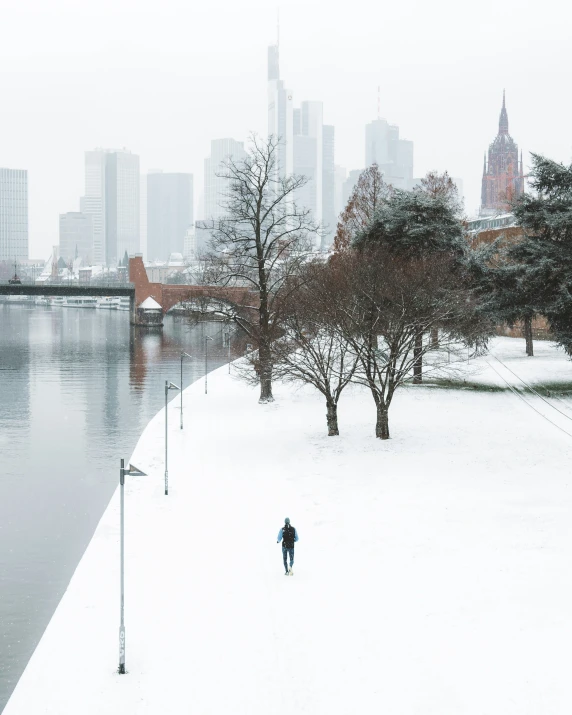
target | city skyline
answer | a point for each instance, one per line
(442, 94)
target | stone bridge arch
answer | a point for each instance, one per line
(168, 295)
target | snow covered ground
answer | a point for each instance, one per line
(432, 575)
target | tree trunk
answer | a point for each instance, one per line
(418, 359)
(528, 335)
(382, 424)
(265, 359)
(332, 418)
(434, 338)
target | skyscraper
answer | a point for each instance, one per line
(306, 147)
(216, 186)
(280, 113)
(13, 214)
(76, 236)
(394, 156)
(169, 213)
(349, 185)
(308, 156)
(503, 177)
(329, 216)
(340, 176)
(112, 199)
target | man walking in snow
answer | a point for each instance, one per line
(289, 535)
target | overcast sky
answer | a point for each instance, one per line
(164, 78)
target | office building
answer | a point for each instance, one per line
(169, 213)
(340, 175)
(280, 114)
(112, 199)
(349, 185)
(13, 214)
(394, 156)
(329, 215)
(76, 237)
(190, 245)
(216, 186)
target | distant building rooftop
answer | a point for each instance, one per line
(486, 223)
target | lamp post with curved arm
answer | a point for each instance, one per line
(131, 471)
(168, 386)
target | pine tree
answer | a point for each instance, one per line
(417, 224)
(543, 259)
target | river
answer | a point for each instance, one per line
(77, 388)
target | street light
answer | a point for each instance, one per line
(134, 472)
(228, 337)
(182, 356)
(168, 386)
(207, 337)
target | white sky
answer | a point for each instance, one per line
(164, 78)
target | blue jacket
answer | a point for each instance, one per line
(280, 537)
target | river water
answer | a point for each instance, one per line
(77, 388)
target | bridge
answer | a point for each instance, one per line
(168, 295)
(138, 290)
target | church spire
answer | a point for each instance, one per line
(503, 121)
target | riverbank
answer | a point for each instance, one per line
(432, 572)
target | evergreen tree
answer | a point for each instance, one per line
(543, 259)
(418, 224)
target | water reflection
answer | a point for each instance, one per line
(77, 388)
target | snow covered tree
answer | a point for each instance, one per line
(506, 296)
(262, 240)
(365, 199)
(421, 224)
(311, 351)
(440, 185)
(543, 258)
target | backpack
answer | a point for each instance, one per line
(288, 532)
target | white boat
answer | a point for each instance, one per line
(26, 299)
(124, 303)
(80, 301)
(42, 300)
(109, 302)
(57, 300)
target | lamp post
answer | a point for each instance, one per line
(168, 386)
(228, 336)
(207, 337)
(132, 471)
(183, 354)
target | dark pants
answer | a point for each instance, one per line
(285, 552)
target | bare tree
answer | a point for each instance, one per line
(364, 201)
(442, 186)
(384, 300)
(311, 351)
(262, 240)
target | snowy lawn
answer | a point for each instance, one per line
(432, 575)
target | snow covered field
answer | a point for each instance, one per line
(432, 575)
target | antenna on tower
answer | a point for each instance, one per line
(378, 102)
(278, 27)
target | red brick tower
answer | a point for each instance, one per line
(503, 178)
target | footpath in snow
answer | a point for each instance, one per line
(432, 575)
